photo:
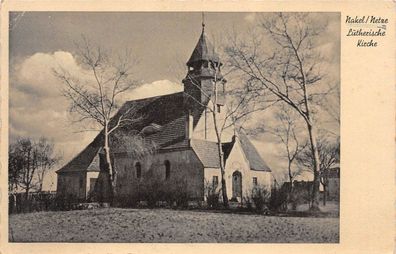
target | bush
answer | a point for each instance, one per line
(66, 203)
(126, 201)
(153, 192)
(159, 192)
(279, 199)
(247, 200)
(260, 197)
(212, 194)
(212, 200)
(299, 196)
(178, 193)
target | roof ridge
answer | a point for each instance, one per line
(153, 97)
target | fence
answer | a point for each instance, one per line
(39, 201)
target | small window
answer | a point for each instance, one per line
(254, 180)
(138, 169)
(167, 169)
(218, 108)
(215, 181)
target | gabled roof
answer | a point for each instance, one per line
(83, 161)
(204, 50)
(254, 158)
(166, 111)
(207, 152)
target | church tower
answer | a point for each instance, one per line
(204, 71)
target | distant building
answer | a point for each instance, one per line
(333, 186)
(181, 127)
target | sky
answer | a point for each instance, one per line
(161, 43)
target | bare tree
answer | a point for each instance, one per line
(290, 71)
(29, 161)
(47, 159)
(329, 155)
(26, 154)
(287, 133)
(97, 99)
(15, 162)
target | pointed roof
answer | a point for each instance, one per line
(84, 161)
(255, 160)
(204, 50)
(208, 154)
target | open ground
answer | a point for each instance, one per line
(166, 225)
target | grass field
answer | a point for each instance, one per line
(163, 225)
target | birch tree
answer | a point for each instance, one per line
(96, 99)
(281, 61)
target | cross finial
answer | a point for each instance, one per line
(203, 21)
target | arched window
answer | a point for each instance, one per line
(138, 169)
(167, 169)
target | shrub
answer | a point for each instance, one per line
(247, 201)
(279, 199)
(212, 194)
(66, 203)
(260, 197)
(153, 192)
(158, 192)
(178, 193)
(126, 201)
(213, 200)
(299, 196)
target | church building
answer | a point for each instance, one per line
(186, 149)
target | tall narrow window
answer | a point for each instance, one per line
(167, 169)
(138, 169)
(215, 181)
(255, 181)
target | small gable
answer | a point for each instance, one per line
(254, 158)
(207, 152)
(86, 160)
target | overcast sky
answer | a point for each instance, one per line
(162, 42)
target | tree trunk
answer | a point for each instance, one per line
(223, 182)
(41, 182)
(219, 147)
(27, 189)
(316, 169)
(221, 158)
(290, 194)
(108, 166)
(324, 194)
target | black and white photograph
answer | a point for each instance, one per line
(174, 127)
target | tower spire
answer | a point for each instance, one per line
(203, 22)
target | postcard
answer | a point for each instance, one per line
(200, 126)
